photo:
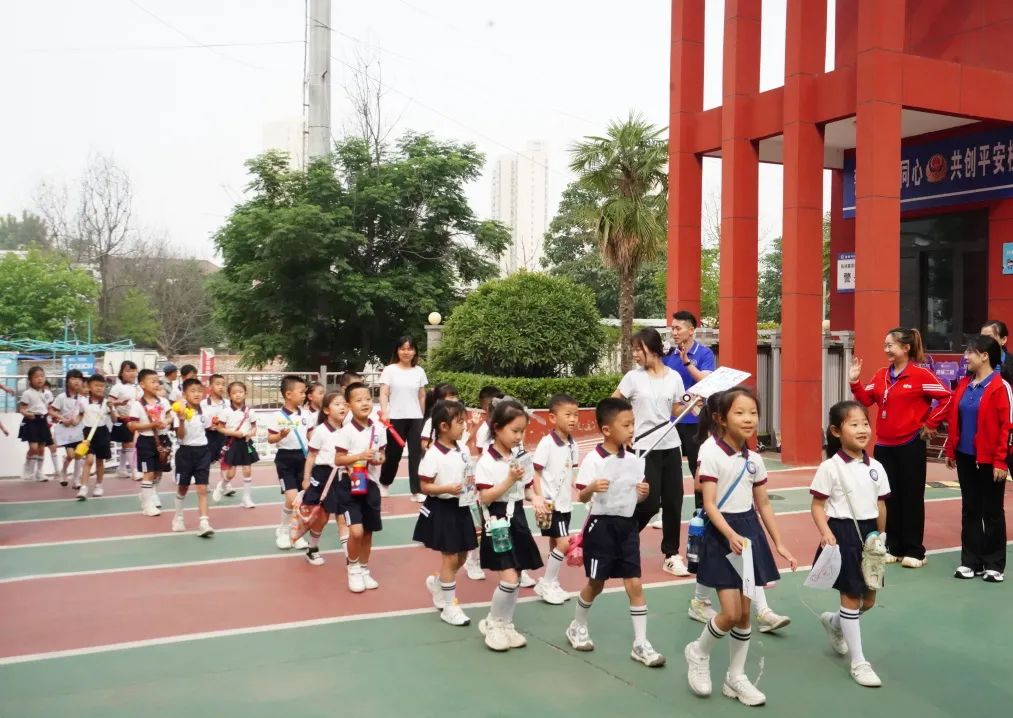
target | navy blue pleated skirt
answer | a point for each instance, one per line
(717, 572)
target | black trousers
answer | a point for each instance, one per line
(664, 476)
(411, 431)
(905, 509)
(691, 450)
(982, 516)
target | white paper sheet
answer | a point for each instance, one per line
(743, 565)
(826, 569)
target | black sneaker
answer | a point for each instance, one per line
(313, 557)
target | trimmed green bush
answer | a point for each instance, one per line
(527, 325)
(534, 393)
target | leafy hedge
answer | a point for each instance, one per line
(534, 393)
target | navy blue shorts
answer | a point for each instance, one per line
(611, 547)
(560, 526)
(715, 570)
(289, 464)
(193, 465)
(318, 480)
(147, 454)
(360, 508)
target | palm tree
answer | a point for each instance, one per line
(628, 169)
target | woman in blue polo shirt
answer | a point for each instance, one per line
(978, 428)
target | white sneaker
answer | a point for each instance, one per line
(701, 610)
(384, 491)
(699, 670)
(579, 638)
(675, 566)
(645, 653)
(993, 576)
(356, 584)
(835, 635)
(739, 687)
(178, 524)
(247, 503)
(433, 584)
(657, 524)
(98, 490)
(770, 621)
(865, 676)
(495, 637)
(420, 498)
(157, 500)
(314, 558)
(908, 562)
(150, 509)
(514, 636)
(367, 579)
(82, 493)
(526, 580)
(301, 543)
(282, 539)
(229, 491)
(453, 615)
(216, 495)
(561, 593)
(204, 529)
(473, 567)
(548, 593)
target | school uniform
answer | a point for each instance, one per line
(428, 435)
(215, 414)
(290, 454)
(144, 412)
(361, 508)
(98, 415)
(239, 452)
(324, 442)
(491, 470)
(556, 458)
(123, 392)
(36, 430)
(69, 408)
(611, 536)
(866, 484)
(483, 437)
(722, 465)
(905, 406)
(193, 457)
(445, 525)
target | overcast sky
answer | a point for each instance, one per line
(128, 78)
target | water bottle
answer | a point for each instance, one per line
(499, 534)
(694, 537)
(359, 479)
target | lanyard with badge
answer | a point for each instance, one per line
(891, 380)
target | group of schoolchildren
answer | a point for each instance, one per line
(330, 447)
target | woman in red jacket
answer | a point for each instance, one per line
(906, 419)
(977, 443)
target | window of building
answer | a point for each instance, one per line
(943, 277)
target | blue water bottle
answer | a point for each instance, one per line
(694, 537)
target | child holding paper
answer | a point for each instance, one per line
(733, 478)
(849, 492)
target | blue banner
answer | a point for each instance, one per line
(84, 363)
(955, 170)
(8, 370)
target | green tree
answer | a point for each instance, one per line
(29, 231)
(133, 317)
(527, 325)
(40, 292)
(335, 262)
(768, 293)
(571, 251)
(627, 169)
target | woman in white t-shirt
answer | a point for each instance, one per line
(402, 403)
(655, 391)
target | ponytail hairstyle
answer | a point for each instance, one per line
(327, 401)
(650, 341)
(708, 423)
(438, 393)
(505, 411)
(310, 389)
(912, 339)
(124, 365)
(981, 344)
(713, 424)
(839, 414)
(445, 412)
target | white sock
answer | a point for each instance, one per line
(286, 517)
(639, 616)
(737, 650)
(473, 555)
(314, 540)
(40, 467)
(57, 464)
(582, 612)
(343, 538)
(248, 488)
(448, 590)
(77, 470)
(555, 563)
(852, 631)
(29, 471)
(219, 485)
(147, 492)
(504, 599)
(701, 593)
(709, 637)
(126, 466)
(179, 505)
(760, 600)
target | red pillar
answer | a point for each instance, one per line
(685, 169)
(877, 171)
(739, 186)
(802, 238)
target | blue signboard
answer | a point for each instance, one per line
(8, 370)
(84, 363)
(954, 170)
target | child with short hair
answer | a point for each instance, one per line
(731, 471)
(321, 469)
(240, 429)
(214, 408)
(34, 430)
(503, 485)
(287, 429)
(849, 493)
(612, 478)
(121, 397)
(66, 411)
(193, 459)
(97, 423)
(555, 461)
(360, 446)
(445, 523)
(150, 417)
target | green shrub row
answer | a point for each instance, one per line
(534, 393)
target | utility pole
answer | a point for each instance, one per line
(317, 132)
